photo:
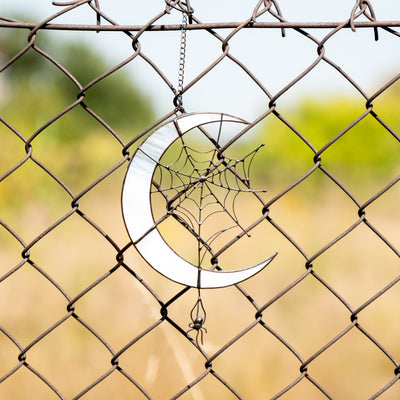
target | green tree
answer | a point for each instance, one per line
(76, 147)
(366, 152)
(33, 79)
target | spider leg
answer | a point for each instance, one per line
(190, 330)
(199, 333)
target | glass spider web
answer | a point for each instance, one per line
(201, 191)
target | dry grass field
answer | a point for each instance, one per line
(163, 361)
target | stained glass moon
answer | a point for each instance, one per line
(138, 216)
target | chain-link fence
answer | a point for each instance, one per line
(84, 316)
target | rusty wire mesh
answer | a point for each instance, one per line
(82, 316)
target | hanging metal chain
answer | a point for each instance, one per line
(187, 11)
(182, 56)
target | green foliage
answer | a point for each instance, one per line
(76, 147)
(366, 151)
(36, 89)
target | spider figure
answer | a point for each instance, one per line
(197, 325)
(198, 320)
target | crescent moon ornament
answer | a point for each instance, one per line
(138, 216)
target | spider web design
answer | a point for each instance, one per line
(202, 189)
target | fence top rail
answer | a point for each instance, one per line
(201, 26)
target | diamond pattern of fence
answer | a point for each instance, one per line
(84, 316)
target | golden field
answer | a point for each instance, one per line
(308, 316)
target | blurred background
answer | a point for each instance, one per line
(349, 277)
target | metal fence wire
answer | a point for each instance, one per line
(84, 316)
